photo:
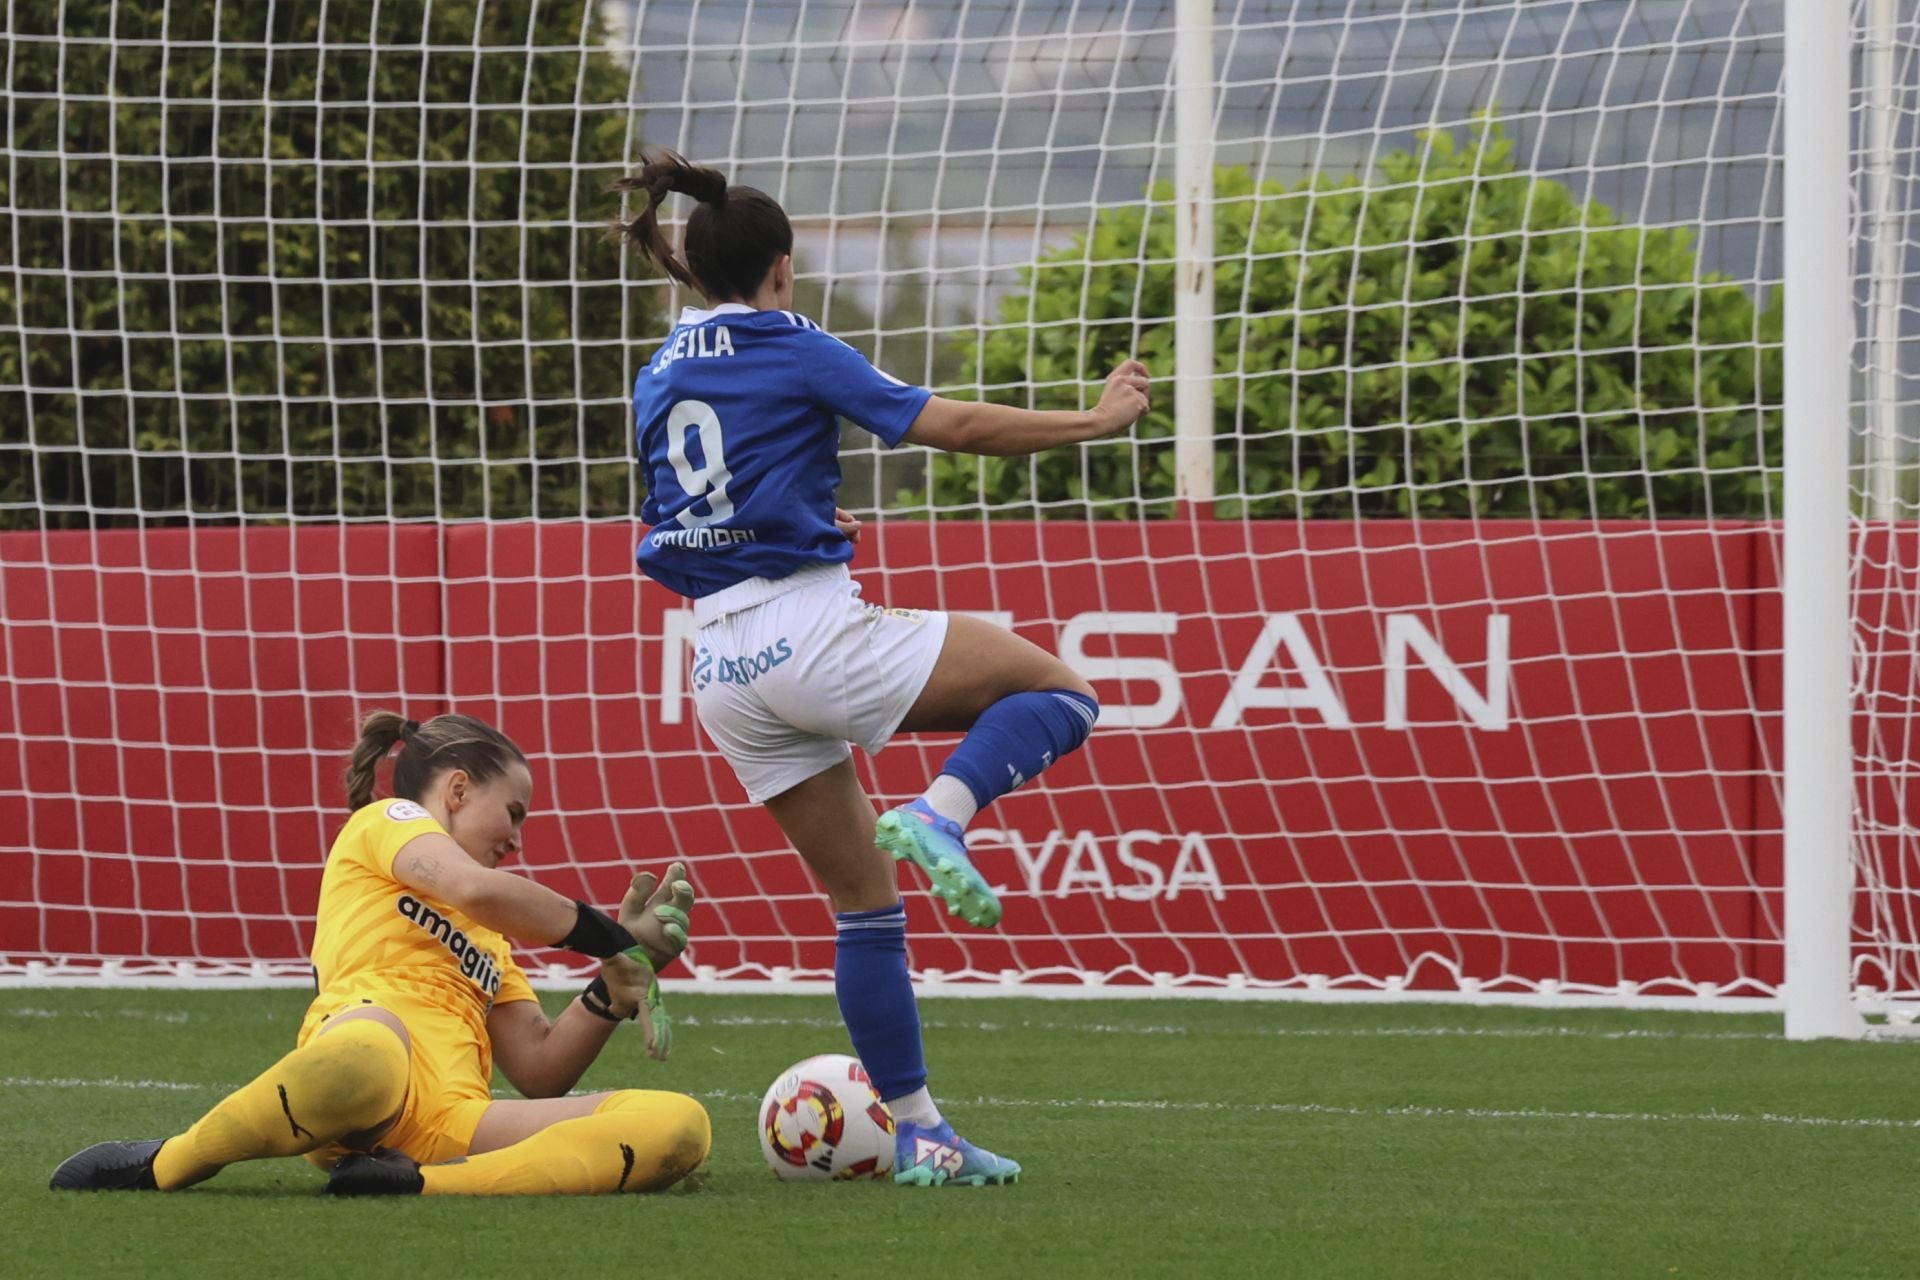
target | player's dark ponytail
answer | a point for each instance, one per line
(430, 749)
(733, 237)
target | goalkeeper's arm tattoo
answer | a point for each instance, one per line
(422, 866)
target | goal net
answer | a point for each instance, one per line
(1885, 549)
(1437, 631)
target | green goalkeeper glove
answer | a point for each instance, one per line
(652, 1013)
(655, 911)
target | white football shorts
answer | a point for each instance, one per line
(788, 671)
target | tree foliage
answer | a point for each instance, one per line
(336, 261)
(1449, 337)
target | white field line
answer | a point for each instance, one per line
(1767, 1118)
(1409, 1112)
(1087, 1028)
(110, 1082)
(135, 1015)
(1284, 1033)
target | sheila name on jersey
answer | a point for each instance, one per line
(475, 962)
(698, 341)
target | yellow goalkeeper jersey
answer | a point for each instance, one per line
(434, 967)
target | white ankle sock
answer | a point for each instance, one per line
(914, 1108)
(951, 798)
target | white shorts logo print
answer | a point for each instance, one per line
(742, 670)
(783, 686)
(406, 811)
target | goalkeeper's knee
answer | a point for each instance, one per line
(634, 1140)
(349, 1081)
(362, 1066)
(672, 1126)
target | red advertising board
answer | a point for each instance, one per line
(1426, 751)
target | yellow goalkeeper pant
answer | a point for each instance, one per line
(351, 1080)
(635, 1140)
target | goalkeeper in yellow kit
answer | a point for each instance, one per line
(419, 995)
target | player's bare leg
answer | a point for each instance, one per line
(979, 665)
(829, 820)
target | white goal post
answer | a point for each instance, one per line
(1512, 596)
(1817, 703)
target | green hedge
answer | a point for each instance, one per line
(1449, 337)
(237, 357)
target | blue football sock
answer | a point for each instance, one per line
(1017, 737)
(876, 998)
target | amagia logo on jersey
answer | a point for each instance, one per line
(475, 962)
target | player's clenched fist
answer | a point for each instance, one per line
(655, 913)
(1126, 397)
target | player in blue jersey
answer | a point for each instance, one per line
(738, 421)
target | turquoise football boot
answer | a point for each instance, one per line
(915, 833)
(936, 1156)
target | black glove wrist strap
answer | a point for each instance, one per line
(598, 1001)
(596, 934)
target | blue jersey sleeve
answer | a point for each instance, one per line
(842, 381)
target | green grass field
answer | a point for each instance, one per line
(1159, 1138)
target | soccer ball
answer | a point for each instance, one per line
(821, 1119)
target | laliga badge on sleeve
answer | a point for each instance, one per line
(406, 811)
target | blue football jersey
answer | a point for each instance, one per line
(738, 420)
